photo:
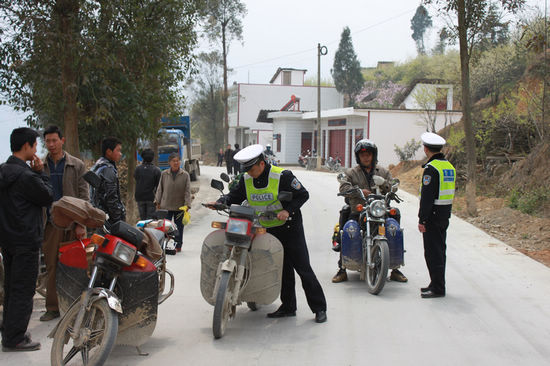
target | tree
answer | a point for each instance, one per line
(420, 22)
(224, 23)
(346, 70)
(208, 108)
(442, 43)
(471, 16)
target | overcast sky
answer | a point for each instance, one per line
(285, 33)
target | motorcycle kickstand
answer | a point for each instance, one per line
(140, 352)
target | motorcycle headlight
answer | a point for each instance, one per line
(377, 208)
(124, 253)
(239, 227)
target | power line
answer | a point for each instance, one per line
(334, 41)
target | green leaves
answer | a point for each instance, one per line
(346, 70)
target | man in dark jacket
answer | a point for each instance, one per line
(107, 196)
(147, 177)
(236, 164)
(25, 190)
(228, 156)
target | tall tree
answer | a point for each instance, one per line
(346, 70)
(471, 18)
(224, 24)
(420, 22)
(208, 108)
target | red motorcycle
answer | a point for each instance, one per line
(108, 290)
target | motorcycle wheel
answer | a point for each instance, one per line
(376, 275)
(99, 329)
(222, 308)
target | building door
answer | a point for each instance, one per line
(337, 144)
(306, 142)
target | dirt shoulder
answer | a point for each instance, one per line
(528, 234)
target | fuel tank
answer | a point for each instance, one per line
(352, 248)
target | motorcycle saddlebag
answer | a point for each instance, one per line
(67, 210)
(394, 234)
(352, 249)
(127, 232)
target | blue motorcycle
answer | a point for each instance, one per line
(374, 243)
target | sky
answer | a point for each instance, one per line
(285, 33)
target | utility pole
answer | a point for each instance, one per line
(321, 51)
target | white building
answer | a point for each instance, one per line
(246, 101)
(341, 128)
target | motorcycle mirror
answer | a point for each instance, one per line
(225, 177)
(92, 178)
(216, 184)
(342, 178)
(378, 180)
(284, 196)
(394, 184)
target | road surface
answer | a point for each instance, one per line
(496, 311)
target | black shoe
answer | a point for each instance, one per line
(281, 313)
(425, 289)
(321, 316)
(23, 346)
(430, 294)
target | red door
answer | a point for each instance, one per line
(306, 142)
(337, 145)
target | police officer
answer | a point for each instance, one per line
(263, 180)
(436, 199)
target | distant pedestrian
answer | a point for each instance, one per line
(220, 157)
(65, 172)
(24, 192)
(436, 200)
(173, 192)
(236, 164)
(228, 156)
(147, 177)
(107, 197)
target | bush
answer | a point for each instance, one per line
(408, 151)
(529, 202)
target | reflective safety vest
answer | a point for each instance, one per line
(262, 198)
(447, 179)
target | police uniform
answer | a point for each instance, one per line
(290, 233)
(436, 198)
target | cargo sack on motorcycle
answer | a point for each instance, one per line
(151, 245)
(67, 210)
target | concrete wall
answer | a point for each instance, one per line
(296, 77)
(290, 127)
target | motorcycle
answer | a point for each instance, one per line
(240, 262)
(1, 278)
(109, 290)
(303, 159)
(334, 164)
(373, 244)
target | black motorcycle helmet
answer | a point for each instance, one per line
(366, 145)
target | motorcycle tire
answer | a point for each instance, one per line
(376, 276)
(100, 324)
(252, 306)
(222, 308)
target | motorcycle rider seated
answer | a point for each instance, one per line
(366, 156)
(268, 150)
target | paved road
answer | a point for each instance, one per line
(496, 310)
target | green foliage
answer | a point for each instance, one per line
(529, 202)
(312, 81)
(346, 70)
(408, 151)
(420, 22)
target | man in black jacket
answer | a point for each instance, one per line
(107, 196)
(147, 177)
(228, 156)
(25, 191)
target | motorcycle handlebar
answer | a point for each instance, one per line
(216, 206)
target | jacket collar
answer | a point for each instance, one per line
(438, 156)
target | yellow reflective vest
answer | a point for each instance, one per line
(262, 198)
(447, 179)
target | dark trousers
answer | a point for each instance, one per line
(53, 237)
(229, 167)
(434, 253)
(296, 258)
(179, 225)
(21, 270)
(236, 167)
(146, 209)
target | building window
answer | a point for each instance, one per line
(358, 134)
(336, 122)
(287, 77)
